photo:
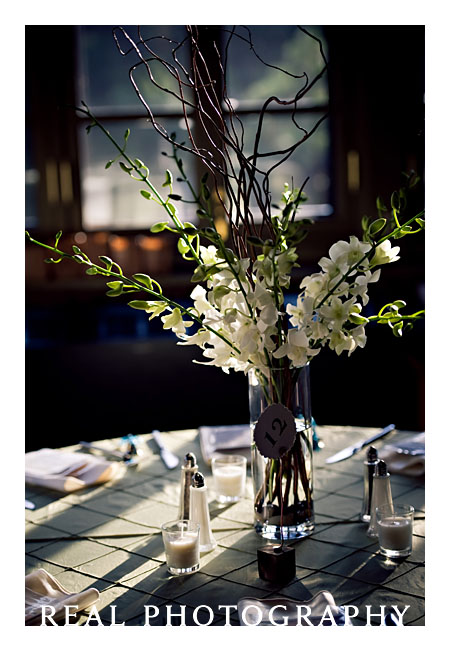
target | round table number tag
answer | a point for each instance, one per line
(275, 431)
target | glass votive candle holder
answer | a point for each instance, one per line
(182, 546)
(395, 525)
(229, 474)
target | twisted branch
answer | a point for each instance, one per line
(201, 89)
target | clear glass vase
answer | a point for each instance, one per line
(283, 487)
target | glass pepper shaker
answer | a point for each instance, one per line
(370, 464)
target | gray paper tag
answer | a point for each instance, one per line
(275, 431)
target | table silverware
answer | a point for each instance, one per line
(119, 456)
(170, 459)
(30, 505)
(356, 447)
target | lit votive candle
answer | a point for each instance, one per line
(395, 530)
(229, 473)
(181, 544)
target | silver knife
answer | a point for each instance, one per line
(356, 447)
(167, 456)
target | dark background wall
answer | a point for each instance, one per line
(95, 368)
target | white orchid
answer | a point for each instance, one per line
(201, 304)
(346, 254)
(315, 285)
(340, 341)
(174, 321)
(296, 348)
(208, 255)
(359, 287)
(243, 319)
(336, 312)
(385, 253)
(302, 312)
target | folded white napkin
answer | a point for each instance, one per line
(226, 439)
(67, 471)
(406, 457)
(42, 589)
(322, 611)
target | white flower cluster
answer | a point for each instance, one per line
(244, 317)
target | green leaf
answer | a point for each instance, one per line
(146, 194)
(397, 329)
(140, 305)
(75, 249)
(226, 254)
(144, 279)
(126, 135)
(380, 205)
(209, 233)
(78, 258)
(187, 226)
(199, 274)
(169, 179)
(125, 168)
(106, 261)
(171, 208)
(57, 238)
(138, 162)
(220, 292)
(91, 271)
(256, 241)
(205, 192)
(405, 230)
(183, 248)
(357, 319)
(116, 288)
(377, 226)
(175, 197)
(420, 221)
(158, 227)
(386, 316)
(108, 164)
(395, 201)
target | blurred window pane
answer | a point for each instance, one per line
(31, 185)
(278, 46)
(310, 159)
(110, 197)
(104, 83)
(250, 82)
(111, 200)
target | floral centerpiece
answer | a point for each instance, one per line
(239, 317)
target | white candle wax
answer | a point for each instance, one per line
(394, 533)
(229, 480)
(183, 551)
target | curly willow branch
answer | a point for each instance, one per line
(219, 140)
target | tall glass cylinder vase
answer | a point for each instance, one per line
(283, 487)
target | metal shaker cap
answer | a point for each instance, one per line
(372, 454)
(190, 460)
(381, 469)
(198, 481)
